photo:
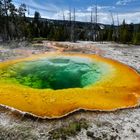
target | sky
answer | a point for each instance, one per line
(58, 9)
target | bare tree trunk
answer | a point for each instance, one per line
(73, 27)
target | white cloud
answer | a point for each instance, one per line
(131, 17)
(48, 7)
(51, 11)
(103, 17)
(124, 2)
(100, 8)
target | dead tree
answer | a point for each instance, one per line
(63, 15)
(113, 27)
(118, 26)
(96, 23)
(72, 24)
(92, 27)
(28, 10)
(112, 18)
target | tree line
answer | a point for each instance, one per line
(14, 25)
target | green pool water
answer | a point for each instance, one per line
(56, 73)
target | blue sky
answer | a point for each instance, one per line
(54, 9)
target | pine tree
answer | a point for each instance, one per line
(136, 36)
(125, 33)
(36, 23)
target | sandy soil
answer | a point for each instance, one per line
(122, 124)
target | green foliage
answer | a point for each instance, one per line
(109, 35)
(136, 38)
(39, 39)
(68, 131)
(13, 24)
(126, 33)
